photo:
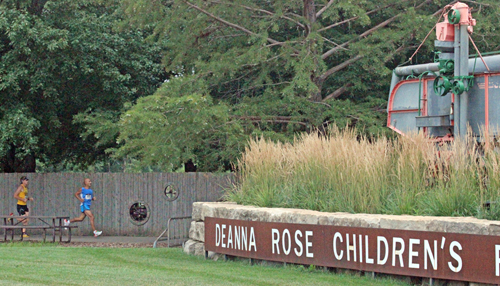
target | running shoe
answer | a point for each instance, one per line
(66, 222)
(97, 233)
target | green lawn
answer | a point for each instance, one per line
(47, 264)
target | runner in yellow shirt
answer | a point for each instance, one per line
(21, 195)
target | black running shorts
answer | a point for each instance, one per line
(21, 210)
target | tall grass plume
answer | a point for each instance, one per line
(343, 171)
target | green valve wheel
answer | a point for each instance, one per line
(446, 66)
(449, 65)
(458, 87)
(442, 85)
(454, 16)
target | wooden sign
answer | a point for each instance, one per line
(451, 256)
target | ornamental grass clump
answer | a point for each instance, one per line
(330, 173)
(344, 171)
(412, 160)
(453, 186)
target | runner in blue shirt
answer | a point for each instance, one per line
(85, 195)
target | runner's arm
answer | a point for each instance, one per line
(78, 195)
(17, 197)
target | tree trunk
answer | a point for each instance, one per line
(318, 81)
(338, 92)
(10, 163)
(36, 7)
(309, 14)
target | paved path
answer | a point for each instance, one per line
(110, 239)
(103, 240)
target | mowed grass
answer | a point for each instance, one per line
(42, 264)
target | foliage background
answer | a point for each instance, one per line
(277, 69)
(59, 59)
(139, 85)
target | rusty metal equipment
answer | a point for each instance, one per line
(442, 98)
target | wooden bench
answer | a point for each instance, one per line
(11, 228)
(54, 223)
(69, 227)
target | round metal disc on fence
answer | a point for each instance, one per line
(139, 213)
(171, 193)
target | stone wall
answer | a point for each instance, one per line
(195, 244)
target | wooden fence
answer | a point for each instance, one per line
(115, 193)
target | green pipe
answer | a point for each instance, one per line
(485, 54)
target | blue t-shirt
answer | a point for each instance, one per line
(86, 195)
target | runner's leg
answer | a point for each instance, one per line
(91, 217)
(23, 211)
(81, 217)
(25, 221)
(77, 219)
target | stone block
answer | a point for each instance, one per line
(371, 221)
(207, 210)
(404, 222)
(196, 213)
(274, 215)
(189, 246)
(215, 256)
(197, 231)
(225, 210)
(349, 220)
(436, 224)
(494, 228)
(193, 247)
(199, 249)
(249, 213)
(302, 217)
(330, 218)
(467, 225)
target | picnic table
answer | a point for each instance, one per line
(55, 223)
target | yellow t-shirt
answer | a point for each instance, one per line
(23, 194)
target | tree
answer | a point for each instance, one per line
(17, 129)
(177, 125)
(59, 59)
(295, 48)
(163, 132)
